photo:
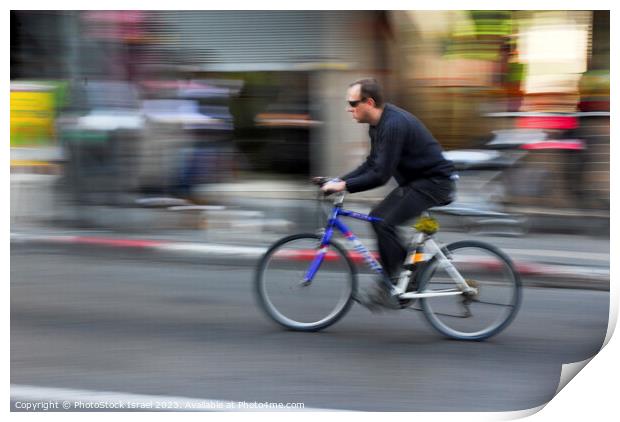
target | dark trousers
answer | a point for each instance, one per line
(402, 204)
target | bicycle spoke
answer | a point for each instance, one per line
(296, 303)
(485, 312)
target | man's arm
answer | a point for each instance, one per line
(358, 171)
(388, 150)
(338, 185)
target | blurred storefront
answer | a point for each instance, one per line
(38, 77)
(289, 71)
(295, 65)
(475, 76)
(220, 94)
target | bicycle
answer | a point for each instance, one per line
(300, 285)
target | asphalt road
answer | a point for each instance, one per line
(180, 329)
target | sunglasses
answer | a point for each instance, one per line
(355, 103)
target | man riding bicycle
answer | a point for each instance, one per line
(403, 148)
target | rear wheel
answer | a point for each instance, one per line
(472, 316)
(292, 303)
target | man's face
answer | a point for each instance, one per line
(359, 110)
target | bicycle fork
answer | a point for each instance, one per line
(321, 251)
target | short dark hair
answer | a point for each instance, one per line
(370, 88)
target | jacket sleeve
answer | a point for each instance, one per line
(358, 171)
(378, 172)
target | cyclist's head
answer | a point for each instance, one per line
(365, 98)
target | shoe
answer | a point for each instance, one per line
(377, 298)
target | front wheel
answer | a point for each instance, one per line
(305, 306)
(472, 316)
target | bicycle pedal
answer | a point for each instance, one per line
(377, 300)
(466, 311)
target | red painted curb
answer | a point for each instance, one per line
(123, 243)
(523, 268)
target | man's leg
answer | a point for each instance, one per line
(403, 204)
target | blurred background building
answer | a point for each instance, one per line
(126, 104)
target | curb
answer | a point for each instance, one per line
(569, 276)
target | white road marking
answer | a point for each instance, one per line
(558, 254)
(23, 395)
(222, 250)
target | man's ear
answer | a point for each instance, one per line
(371, 102)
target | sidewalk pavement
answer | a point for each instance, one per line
(538, 267)
(246, 218)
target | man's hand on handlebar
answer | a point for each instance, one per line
(319, 180)
(329, 186)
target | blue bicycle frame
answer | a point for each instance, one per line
(334, 222)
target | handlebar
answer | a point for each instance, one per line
(320, 181)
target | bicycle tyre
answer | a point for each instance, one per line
(497, 262)
(274, 311)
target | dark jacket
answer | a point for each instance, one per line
(402, 147)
